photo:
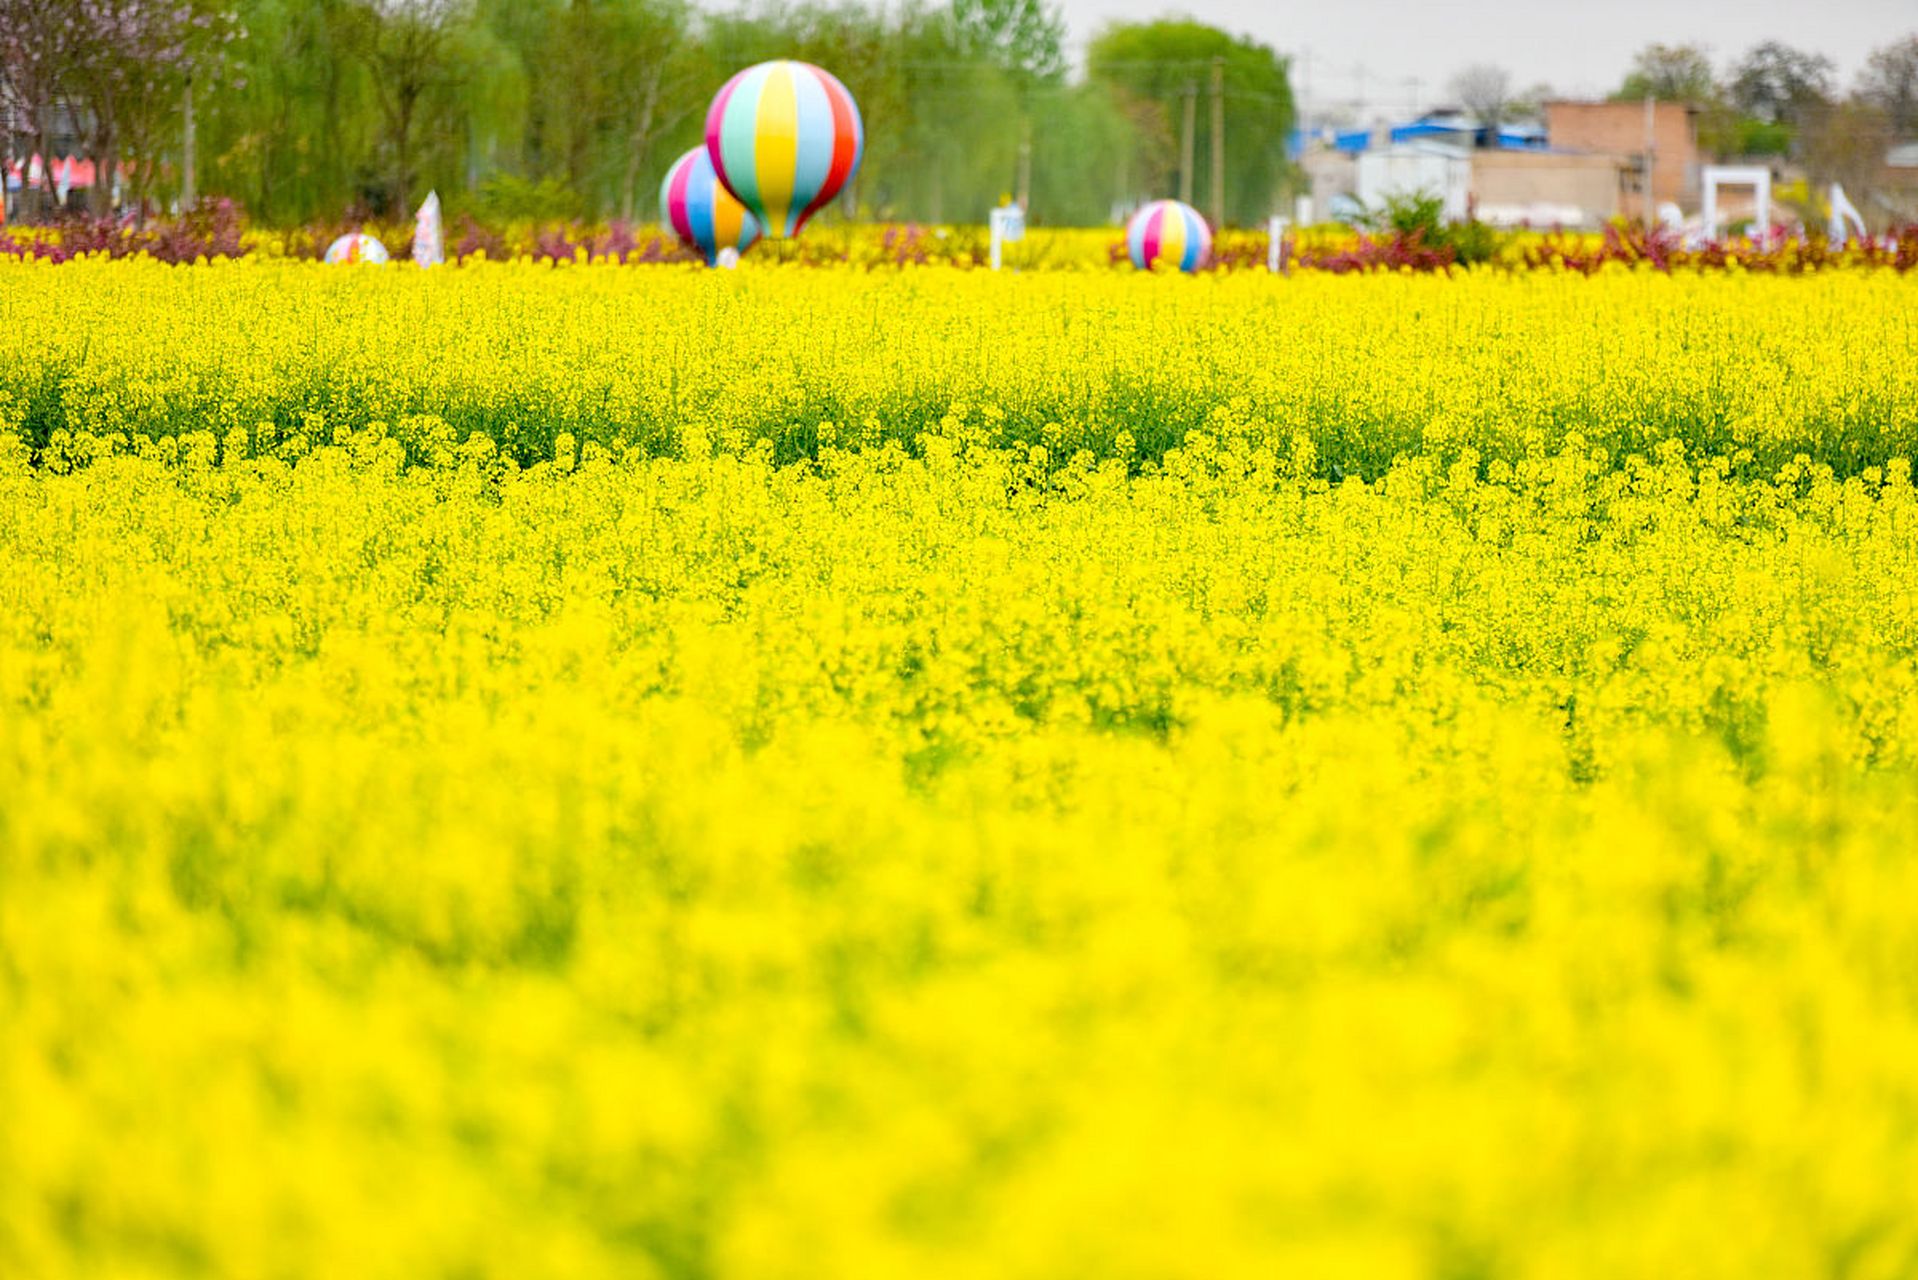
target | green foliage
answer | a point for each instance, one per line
(1422, 214)
(1150, 67)
(1779, 84)
(1473, 241)
(1890, 82)
(1670, 73)
(1754, 137)
(1025, 38)
(556, 108)
(1412, 213)
(1076, 153)
(507, 197)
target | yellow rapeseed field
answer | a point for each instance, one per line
(590, 772)
(679, 359)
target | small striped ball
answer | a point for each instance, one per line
(1169, 232)
(356, 246)
(702, 213)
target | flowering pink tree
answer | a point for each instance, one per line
(36, 53)
(133, 61)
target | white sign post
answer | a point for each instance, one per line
(1008, 225)
(1757, 177)
(1275, 255)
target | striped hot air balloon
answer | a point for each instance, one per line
(785, 138)
(701, 211)
(1169, 232)
(356, 246)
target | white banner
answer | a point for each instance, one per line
(429, 243)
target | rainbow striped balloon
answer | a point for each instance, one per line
(785, 137)
(703, 213)
(1169, 232)
(355, 246)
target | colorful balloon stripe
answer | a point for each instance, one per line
(1169, 232)
(848, 144)
(784, 137)
(701, 212)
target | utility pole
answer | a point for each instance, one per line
(1306, 101)
(1185, 141)
(1651, 216)
(1025, 167)
(189, 169)
(1218, 143)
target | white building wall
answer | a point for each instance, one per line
(1412, 168)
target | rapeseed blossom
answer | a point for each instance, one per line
(671, 360)
(984, 826)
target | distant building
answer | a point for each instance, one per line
(1583, 167)
(1506, 186)
(1403, 169)
(1548, 188)
(1331, 176)
(1461, 129)
(1444, 125)
(1617, 129)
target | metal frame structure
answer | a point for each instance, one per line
(1714, 176)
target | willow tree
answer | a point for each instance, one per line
(408, 47)
(1154, 69)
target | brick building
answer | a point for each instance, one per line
(1618, 129)
(1548, 187)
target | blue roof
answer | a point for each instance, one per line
(1354, 141)
(1426, 129)
(1510, 136)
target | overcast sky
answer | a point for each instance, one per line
(1579, 47)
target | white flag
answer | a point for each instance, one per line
(429, 245)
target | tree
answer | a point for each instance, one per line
(607, 77)
(942, 139)
(1529, 103)
(293, 130)
(1075, 157)
(132, 61)
(1023, 42)
(407, 46)
(1890, 81)
(1025, 38)
(646, 79)
(1484, 93)
(554, 107)
(1845, 142)
(1779, 85)
(36, 55)
(1670, 73)
(1159, 63)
